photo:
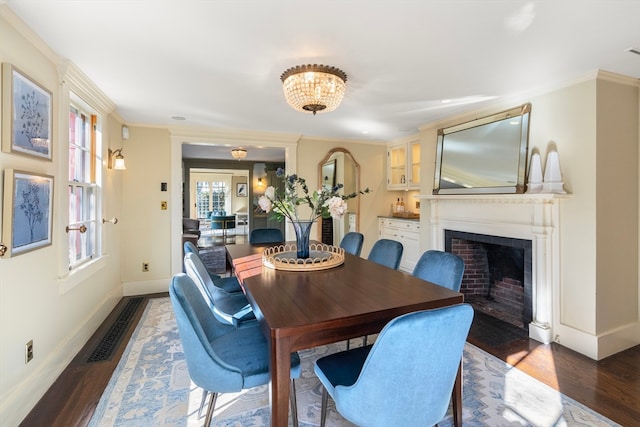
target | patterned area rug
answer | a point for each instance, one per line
(151, 387)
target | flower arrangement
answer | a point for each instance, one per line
(325, 202)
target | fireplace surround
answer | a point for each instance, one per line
(528, 217)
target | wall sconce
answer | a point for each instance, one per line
(116, 159)
(260, 182)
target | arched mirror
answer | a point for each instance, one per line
(339, 167)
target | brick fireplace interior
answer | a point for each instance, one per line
(498, 274)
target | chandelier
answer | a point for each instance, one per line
(239, 153)
(313, 87)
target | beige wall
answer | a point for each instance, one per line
(593, 125)
(146, 225)
(372, 161)
(617, 205)
(39, 299)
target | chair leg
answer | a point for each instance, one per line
(204, 399)
(364, 342)
(294, 403)
(323, 413)
(348, 344)
(210, 408)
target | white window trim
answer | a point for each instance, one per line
(76, 88)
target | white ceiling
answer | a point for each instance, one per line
(217, 63)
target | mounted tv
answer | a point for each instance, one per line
(486, 155)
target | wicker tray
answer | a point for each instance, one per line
(321, 257)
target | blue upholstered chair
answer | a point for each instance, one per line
(352, 243)
(191, 248)
(266, 235)
(228, 284)
(386, 252)
(406, 378)
(441, 268)
(231, 308)
(220, 358)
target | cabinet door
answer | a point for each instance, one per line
(414, 164)
(411, 242)
(386, 232)
(397, 166)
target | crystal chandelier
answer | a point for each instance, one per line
(239, 153)
(313, 88)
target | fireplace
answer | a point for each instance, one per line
(516, 218)
(498, 274)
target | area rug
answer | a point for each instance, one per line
(151, 387)
(214, 258)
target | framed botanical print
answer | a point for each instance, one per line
(27, 115)
(28, 211)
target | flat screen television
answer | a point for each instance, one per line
(486, 155)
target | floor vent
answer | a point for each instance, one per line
(111, 339)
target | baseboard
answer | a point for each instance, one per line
(15, 406)
(598, 347)
(145, 287)
(619, 339)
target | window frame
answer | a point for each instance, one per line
(88, 212)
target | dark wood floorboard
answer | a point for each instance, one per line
(610, 386)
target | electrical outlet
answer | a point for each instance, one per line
(417, 204)
(28, 352)
(145, 267)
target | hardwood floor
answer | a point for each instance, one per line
(610, 386)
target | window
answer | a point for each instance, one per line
(82, 187)
(211, 195)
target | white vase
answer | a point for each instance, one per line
(552, 175)
(534, 183)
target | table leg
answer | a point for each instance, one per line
(457, 398)
(279, 385)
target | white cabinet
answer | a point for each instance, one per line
(403, 166)
(406, 232)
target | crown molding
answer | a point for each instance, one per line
(82, 86)
(617, 78)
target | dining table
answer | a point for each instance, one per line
(298, 310)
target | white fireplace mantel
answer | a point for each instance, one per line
(532, 217)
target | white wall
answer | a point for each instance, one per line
(593, 125)
(39, 299)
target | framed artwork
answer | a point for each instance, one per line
(241, 190)
(329, 174)
(28, 211)
(27, 115)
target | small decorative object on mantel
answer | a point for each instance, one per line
(325, 202)
(534, 183)
(552, 175)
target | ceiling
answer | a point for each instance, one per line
(217, 63)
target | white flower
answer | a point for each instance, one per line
(270, 192)
(336, 206)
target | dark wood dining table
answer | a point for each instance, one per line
(300, 310)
